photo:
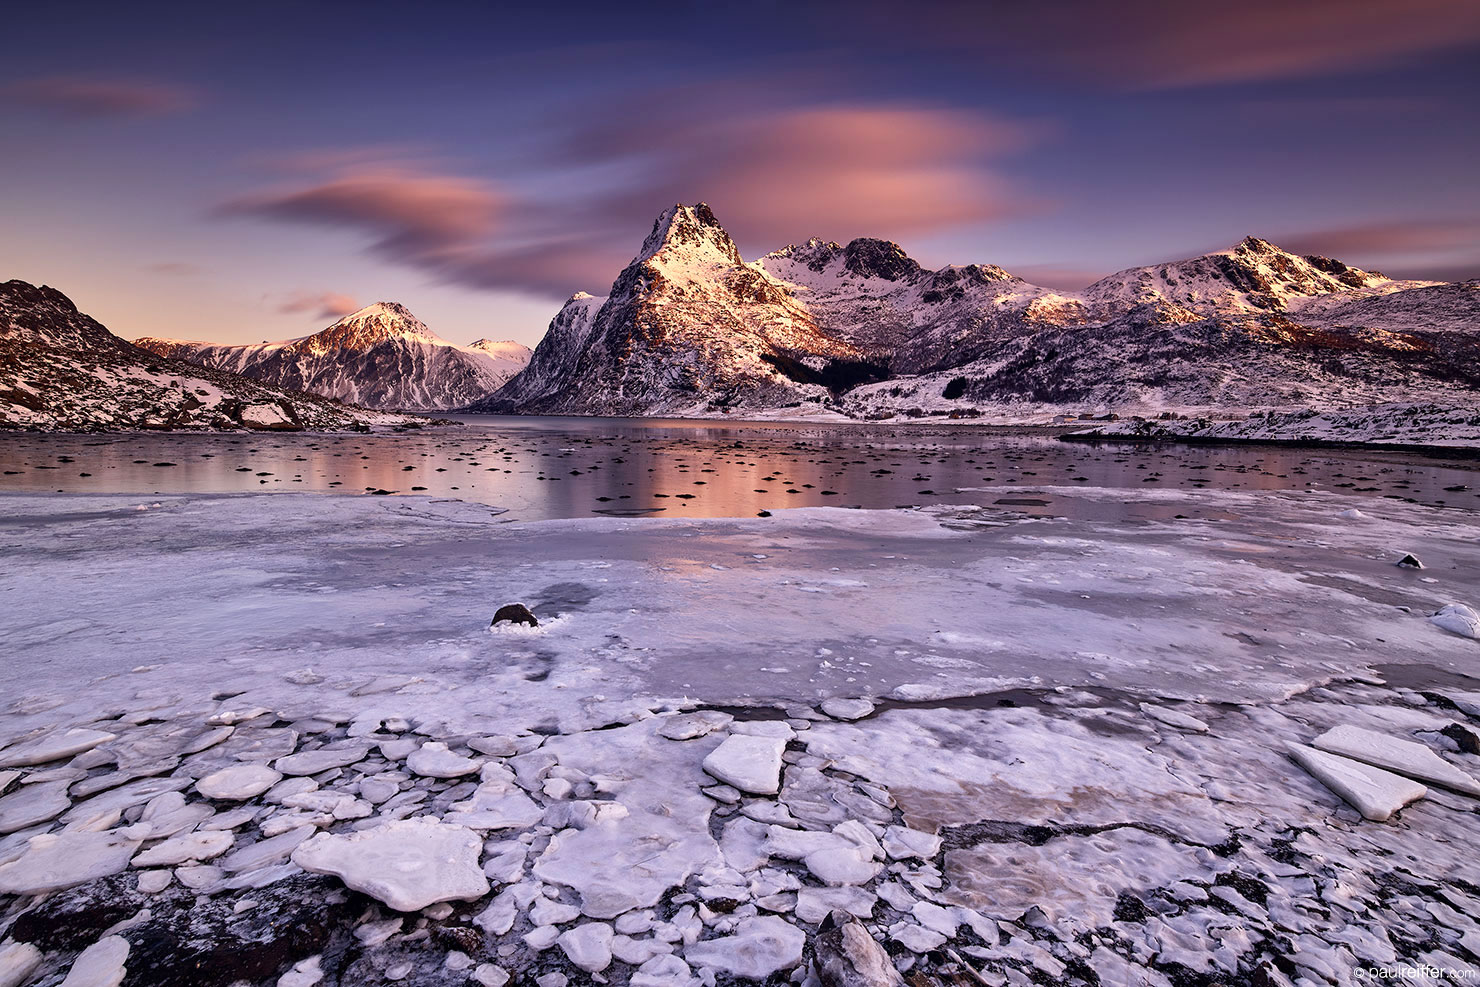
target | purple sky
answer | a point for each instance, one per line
(239, 174)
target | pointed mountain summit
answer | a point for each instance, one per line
(687, 328)
(381, 356)
(865, 330)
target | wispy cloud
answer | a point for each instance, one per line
(1166, 44)
(173, 268)
(1388, 239)
(84, 97)
(320, 305)
(774, 175)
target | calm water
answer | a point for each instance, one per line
(576, 467)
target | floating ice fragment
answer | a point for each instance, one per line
(1458, 619)
(100, 965)
(1403, 756)
(53, 747)
(751, 764)
(407, 864)
(1375, 793)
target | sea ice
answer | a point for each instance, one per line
(1402, 756)
(103, 964)
(60, 860)
(751, 764)
(18, 961)
(408, 864)
(238, 782)
(1458, 619)
(434, 760)
(758, 948)
(53, 747)
(1375, 793)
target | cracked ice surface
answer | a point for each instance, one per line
(1111, 802)
(1254, 596)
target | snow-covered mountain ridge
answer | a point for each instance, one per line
(862, 330)
(381, 356)
(61, 370)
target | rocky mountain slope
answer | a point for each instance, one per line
(61, 370)
(688, 326)
(381, 356)
(864, 330)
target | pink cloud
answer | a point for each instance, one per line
(321, 305)
(409, 212)
(1158, 44)
(836, 171)
(82, 97)
(1387, 239)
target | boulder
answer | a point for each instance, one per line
(515, 613)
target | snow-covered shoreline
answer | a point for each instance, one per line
(268, 684)
(1445, 429)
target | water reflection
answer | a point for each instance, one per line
(574, 467)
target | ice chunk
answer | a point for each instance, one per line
(33, 804)
(53, 747)
(751, 764)
(1403, 756)
(17, 962)
(240, 781)
(100, 965)
(759, 947)
(323, 759)
(847, 709)
(434, 760)
(55, 861)
(588, 946)
(1174, 718)
(407, 864)
(1458, 619)
(1375, 793)
(626, 863)
(190, 848)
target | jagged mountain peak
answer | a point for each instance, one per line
(1254, 275)
(688, 233)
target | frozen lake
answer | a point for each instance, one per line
(1047, 706)
(542, 468)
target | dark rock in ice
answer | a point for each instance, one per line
(190, 941)
(1464, 738)
(1410, 562)
(845, 955)
(205, 942)
(76, 917)
(516, 613)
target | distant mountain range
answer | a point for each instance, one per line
(381, 357)
(691, 328)
(61, 370)
(860, 331)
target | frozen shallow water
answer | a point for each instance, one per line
(1074, 768)
(1245, 596)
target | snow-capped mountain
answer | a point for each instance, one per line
(381, 356)
(1254, 276)
(61, 370)
(688, 327)
(864, 330)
